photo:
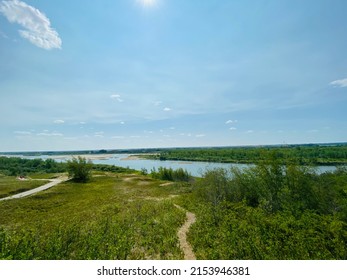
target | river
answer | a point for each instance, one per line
(195, 168)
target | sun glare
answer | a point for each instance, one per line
(147, 3)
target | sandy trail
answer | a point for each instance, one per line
(182, 235)
(52, 183)
(183, 230)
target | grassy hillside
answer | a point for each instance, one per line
(10, 185)
(268, 211)
(114, 216)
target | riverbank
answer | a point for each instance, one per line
(312, 155)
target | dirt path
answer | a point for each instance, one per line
(52, 183)
(183, 230)
(182, 235)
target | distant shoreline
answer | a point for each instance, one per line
(86, 156)
(138, 157)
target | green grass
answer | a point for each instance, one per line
(114, 216)
(132, 216)
(10, 185)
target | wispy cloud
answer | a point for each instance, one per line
(232, 128)
(200, 135)
(22, 132)
(99, 134)
(59, 121)
(37, 27)
(339, 83)
(230, 121)
(167, 109)
(116, 97)
(50, 134)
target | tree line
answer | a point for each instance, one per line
(305, 154)
(78, 168)
(13, 166)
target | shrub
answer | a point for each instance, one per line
(168, 174)
(79, 169)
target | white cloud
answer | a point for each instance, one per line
(166, 109)
(232, 128)
(116, 97)
(59, 121)
(22, 132)
(339, 83)
(230, 121)
(117, 137)
(250, 131)
(200, 135)
(45, 133)
(37, 27)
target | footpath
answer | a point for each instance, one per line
(52, 183)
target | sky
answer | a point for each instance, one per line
(107, 74)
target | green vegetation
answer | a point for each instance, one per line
(79, 169)
(17, 166)
(168, 174)
(270, 211)
(13, 166)
(303, 155)
(277, 209)
(114, 216)
(10, 185)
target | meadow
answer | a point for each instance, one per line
(111, 217)
(269, 211)
(10, 185)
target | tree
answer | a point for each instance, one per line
(79, 169)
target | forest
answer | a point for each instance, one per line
(300, 154)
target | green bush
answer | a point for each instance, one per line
(168, 174)
(79, 169)
(270, 211)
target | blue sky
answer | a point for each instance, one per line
(168, 73)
